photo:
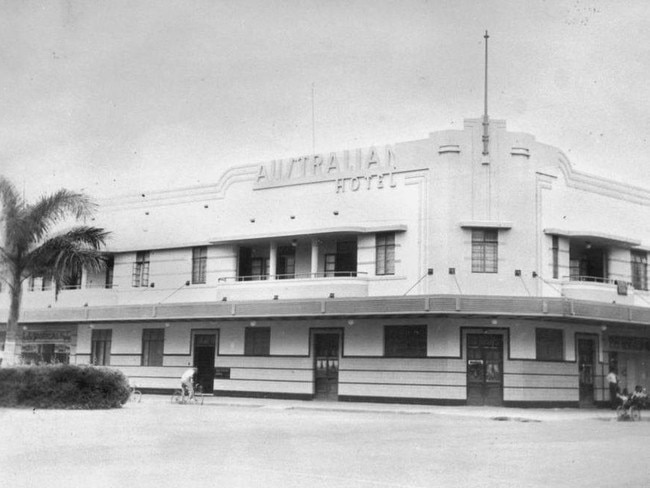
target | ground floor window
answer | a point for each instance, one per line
(549, 344)
(153, 341)
(101, 347)
(45, 353)
(405, 341)
(257, 341)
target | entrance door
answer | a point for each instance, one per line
(204, 351)
(484, 369)
(586, 361)
(326, 365)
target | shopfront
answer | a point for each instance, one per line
(47, 344)
(629, 356)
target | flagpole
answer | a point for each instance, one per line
(313, 123)
(486, 120)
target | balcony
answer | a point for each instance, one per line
(598, 289)
(69, 296)
(293, 286)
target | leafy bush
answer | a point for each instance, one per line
(63, 386)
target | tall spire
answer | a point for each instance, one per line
(486, 120)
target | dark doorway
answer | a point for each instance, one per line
(286, 263)
(586, 367)
(587, 262)
(204, 352)
(346, 258)
(326, 365)
(484, 369)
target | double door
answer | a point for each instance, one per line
(586, 369)
(204, 352)
(326, 365)
(484, 369)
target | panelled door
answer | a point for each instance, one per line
(586, 364)
(204, 350)
(484, 369)
(326, 365)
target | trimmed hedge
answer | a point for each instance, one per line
(63, 386)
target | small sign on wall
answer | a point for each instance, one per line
(221, 373)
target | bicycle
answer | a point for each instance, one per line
(135, 395)
(629, 409)
(197, 398)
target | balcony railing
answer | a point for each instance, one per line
(94, 286)
(591, 279)
(293, 276)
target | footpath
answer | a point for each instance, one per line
(495, 413)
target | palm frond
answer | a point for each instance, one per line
(12, 205)
(68, 253)
(49, 210)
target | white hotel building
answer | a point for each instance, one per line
(425, 272)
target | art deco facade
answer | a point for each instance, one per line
(426, 271)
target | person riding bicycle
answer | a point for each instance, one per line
(187, 383)
(639, 397)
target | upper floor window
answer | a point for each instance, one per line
(253, 263)
(257, 341)
(199, 261)
(286, 263)
(259, 269)
(141, 269)
(385, 254)
(47, 282)
(549, 344)
(330, 265)
(73, 280)
(640, 270)
(153, 341)
(110, 269)
(485, 246)
(405, 341)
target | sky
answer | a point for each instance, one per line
(120, 97)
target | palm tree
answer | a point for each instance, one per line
(33, 244)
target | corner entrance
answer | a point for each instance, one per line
(326, 366)
(484, 369)
(205, 346)
(586, 367)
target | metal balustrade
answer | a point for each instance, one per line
(293, 276)
(592, 279)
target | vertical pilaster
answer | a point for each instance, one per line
(273, 259)
(314, 257)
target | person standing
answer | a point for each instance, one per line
(612, 380)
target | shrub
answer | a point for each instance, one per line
(63, 386)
